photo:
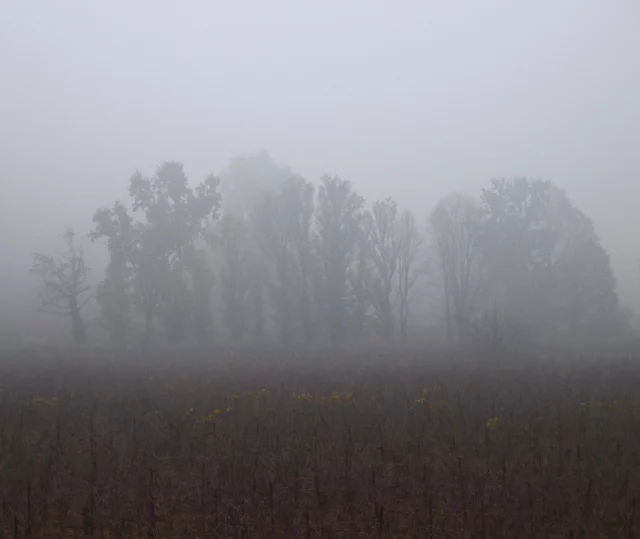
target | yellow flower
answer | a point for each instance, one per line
(494, 423)
(429, 403)
(333, 398)
(338, 398)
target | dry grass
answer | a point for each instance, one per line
(330, 445)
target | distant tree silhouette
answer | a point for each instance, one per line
(298, 206)
(64, 287)
(114, 294)
(270, 232)
(385, 248)
(164, 272)
(457, 226)
(519, 262)
(235, 274)
(360, 279)
(411, 265)
(546, 268)
(338, 213)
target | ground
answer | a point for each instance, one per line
(323, 443)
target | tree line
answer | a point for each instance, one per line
(266, 254)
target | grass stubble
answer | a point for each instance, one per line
(334, 444)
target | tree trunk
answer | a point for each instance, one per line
(306, 318)
(387, 319)
(148, 321)
(403, 319)
(448, 315)
(79, 331)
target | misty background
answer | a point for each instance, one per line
(412, 101)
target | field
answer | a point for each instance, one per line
(320, 444)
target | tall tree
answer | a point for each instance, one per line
(546, 267)
(201, 275)
(235, 275)
(410, 245)
(64, 284)
(175, 301)
(246, 177)
(457, 225)
(298, 206)
(385, 247)
(282, 223)
(338, 213)
(177, 219)
(257, 299)
(150, 266)
(269, 228)
(361, 278)
(517, 235)
(114, 293)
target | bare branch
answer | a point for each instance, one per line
(63, 278)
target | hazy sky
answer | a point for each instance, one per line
(411, 98)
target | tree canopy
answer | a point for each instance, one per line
(287, 260)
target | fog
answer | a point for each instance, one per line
(412, 101)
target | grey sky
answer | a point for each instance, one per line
(411, 99)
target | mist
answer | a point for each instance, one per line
(413, 102)
(320, 269)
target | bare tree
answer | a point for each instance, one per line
(202, 290)
(410, 269)
(283, 230)
(256, 299)
(269, 229)
(64, 289)
(299, 209)
(338, 215)
(385, 247)
(457, 227)
(235, 275)
(360, 277)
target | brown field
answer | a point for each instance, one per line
(322, 444)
